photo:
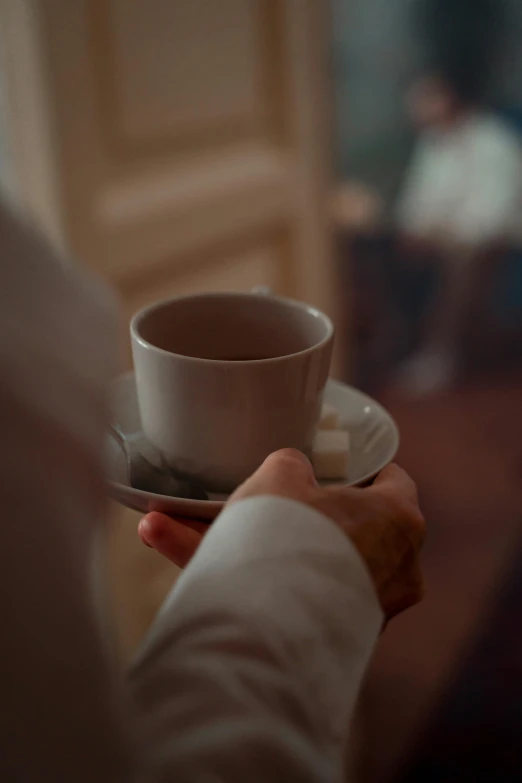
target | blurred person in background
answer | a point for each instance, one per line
(252, 668)
(460, 206)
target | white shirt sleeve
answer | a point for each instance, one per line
(252, 668)
(264, 643)
(62, 715)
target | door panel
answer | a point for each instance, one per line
(149, 98)
(241, 270)
(180, 127)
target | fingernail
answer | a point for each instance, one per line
(145, 531)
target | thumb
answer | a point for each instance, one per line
(286, 472)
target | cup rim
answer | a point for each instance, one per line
(138, 317)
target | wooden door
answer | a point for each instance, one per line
(176, 145)
(173, 146)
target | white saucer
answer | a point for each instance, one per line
(374, 441)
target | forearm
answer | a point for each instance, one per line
(253, 667)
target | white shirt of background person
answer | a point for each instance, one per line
(464, 184)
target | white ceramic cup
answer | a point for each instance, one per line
(225, 379)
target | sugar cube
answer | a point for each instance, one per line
(329, 418)
(330, 454)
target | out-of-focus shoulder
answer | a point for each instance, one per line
(58, 325)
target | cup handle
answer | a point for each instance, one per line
(262, 290)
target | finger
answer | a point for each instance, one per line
(286, 464)
(177, 540)
(393, 483)
(406, 601)
(156, 518)
(395, 479)
(408, 588)
(287, 472)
